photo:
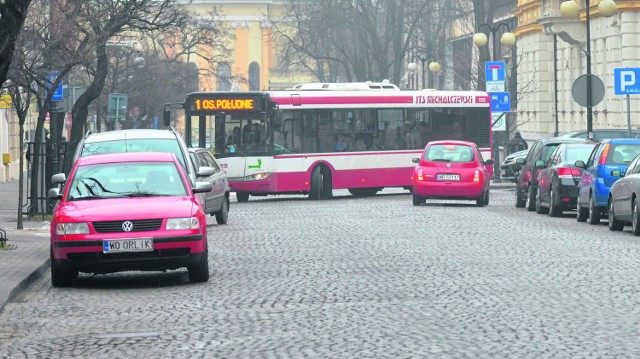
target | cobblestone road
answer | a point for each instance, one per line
(358, 278)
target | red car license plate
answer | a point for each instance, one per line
(447, 177)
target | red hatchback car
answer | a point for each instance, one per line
(451, 170)
(127, 211)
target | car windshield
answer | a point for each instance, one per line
(578, 153)
(134, 145)
(622, 153)
(126, 179)
(449, 153)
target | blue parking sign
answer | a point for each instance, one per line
(626, 81)
(500, 101)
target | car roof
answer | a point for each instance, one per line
(559, 140)
(451, 142)
(128, 134)
(621, 140)
(127, 157)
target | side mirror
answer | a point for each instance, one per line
(59, 178)
(206, 171)
(539, 164)
(580, 164)
(202, 187)
(617, 173)
(488, 162)
(521, 161)
(415, 160)
(54, 193)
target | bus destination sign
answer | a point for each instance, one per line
(207, 103)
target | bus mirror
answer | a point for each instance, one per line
(166, 118)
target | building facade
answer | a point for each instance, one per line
(252, 64)
(551, 56)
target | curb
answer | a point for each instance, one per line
(25, 283)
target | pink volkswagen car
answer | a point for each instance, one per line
(127, 211)
(451, 170)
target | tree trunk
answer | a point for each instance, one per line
(12, 15)
(81, 107)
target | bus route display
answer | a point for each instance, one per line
(207, 103)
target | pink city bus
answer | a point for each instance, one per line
(360, 137)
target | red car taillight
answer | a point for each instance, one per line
(605, 152)
(568, 173)
(420, 175)
(476, 176)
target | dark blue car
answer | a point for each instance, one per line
(597, 179)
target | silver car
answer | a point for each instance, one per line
(217, 201)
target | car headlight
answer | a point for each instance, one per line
(183, 223)
(72, 228)
(258, 176)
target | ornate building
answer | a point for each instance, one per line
(551, 56)
(253, 62)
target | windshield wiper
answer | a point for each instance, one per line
(82, 198)
(142, 194)
(440, 160)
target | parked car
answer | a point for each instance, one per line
(623, 204)
(127, 211)
(216, 202)
(597, 178)
(599, 135)
(451, 170)
(559, 178)
(510, 167)
(527, 180)
(141, 140)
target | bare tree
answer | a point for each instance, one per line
(101, 20)
(12, 16)
(356, 40)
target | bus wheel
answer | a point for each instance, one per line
(242, 196)
(320, 184)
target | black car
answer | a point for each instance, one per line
(559, 178)
(527, 181)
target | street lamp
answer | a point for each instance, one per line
(570, 8)
(507, 38)
(434, 67)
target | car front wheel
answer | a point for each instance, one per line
(222, 216)
(531, 199)
(520, 202)
(62, 274)
(581, 213)
(200, 272)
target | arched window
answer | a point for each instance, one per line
(224, 77)
(254, 76)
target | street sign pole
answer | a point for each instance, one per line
(117, 111)
(629, 114)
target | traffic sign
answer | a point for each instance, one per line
(579, 90)
(495, 86)
(494, 70)
(500, 101)
(626, 81)
(58, 94)
(498, 121)
(117, 107)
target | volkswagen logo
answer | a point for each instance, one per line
(448, 165)
(127, 226)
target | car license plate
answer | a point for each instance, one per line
(447, 177)
(127, 245)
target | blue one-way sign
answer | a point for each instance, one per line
(626, 81)
(500, 101)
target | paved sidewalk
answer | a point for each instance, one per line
(29, 258)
